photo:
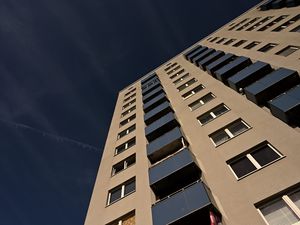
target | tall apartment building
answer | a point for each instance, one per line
(212, 135)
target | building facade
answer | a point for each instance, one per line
(211, 136)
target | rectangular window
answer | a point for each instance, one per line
(128, 219)
(121, 191)
(126, 131)
(221, 40)
(193, 91)
(201, 101)
(273, 22)
(282, 210)
(259, 23)
(212, 114)
(128, 111)
(228, 132)
(229, 41)
(124, 164)
(128, 104)
(238, 24)
(254, 159)
(252, 45)
(287, 24)
(171, 66)
(130, 97)
(128, 93)
(267, 47)
(181, 78)
(173, 70)
(297, 29)
(124, 122)
(215, 38)
(249, 23)
(239, 43)
(288, 50)
(128, 144)
(178, 73)
(187, 84)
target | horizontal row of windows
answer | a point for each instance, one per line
(257, 22)
(288, 50)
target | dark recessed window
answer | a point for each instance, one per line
(187, 84)
(288, 50)
(128, 104)
(229, 41)
(130, 97)
(126, 131)
(128, 144)
(238, 24)
(124, 164)
(273, 22)
(173, 70)
(178, 73)
(259, 23)
(254, 159)
(121, 191)
(247, 24)
(201, 101)
(193, 91)
(128, 93)
(215, 38)
(229, 132)
(297, 29)
(171, 66)
(287, 24)
(239, 43)
(221, 40)
(128, 111)
(267, 47)
(212, 114)
(124, 122)
(181, 78)
(252, 45)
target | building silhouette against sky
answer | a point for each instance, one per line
(212, 135)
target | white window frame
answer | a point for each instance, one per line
(192, 92)
(253, 161)
(125, 164)
(128, 111)
(122, 191)
(228, 132)
(127, 131)
(129, 104)
(187, 84)
(173, 70)
(212, 113)
(288, 201)
(177, 74)
(125, 146)
(179, 80)
(200, 100)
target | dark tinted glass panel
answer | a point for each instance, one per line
(237, 128)
(265, 155)
(242, 167)
(205, 118)
(220, 110)
(220, 137)
(115, 195)
(129, 187)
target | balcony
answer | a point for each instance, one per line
(271, 85)
(232, 68)
(165, 145)
(160, 126)
(190, 205)
(203, 55)
(155, 92)
(191, 51)
(209, 59)
(148, 78)
(154, 102)
(193, 55)
(157, 112)
(249, 75)
(286, 106)
(174, 173)
(148, 90)
(214, 66)
(150, 84)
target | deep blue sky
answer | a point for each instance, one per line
(62, 63)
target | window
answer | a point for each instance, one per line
(173, 70)
(130, 97)
(252, 45)
(273, 22)
(267, 47)
(171, 66)
(259, 23)
(283, 210)
(128, 93)
(239, 43)
(181, 78)
(124, 164)
(124, 122)
(287, 24)
(229, 41)
(121, 148)
(126, 131)
(256, 158)
(128, 104)
(249, 23)
(215, 38)
(128, 111)
(288, 50)
(192, 92)
(128, 219)
(212, 114)
(121, 191)
(221, 40)
(243, 21)
(201, 101)
(230, 131)
(177, 74)
(297, 29)
(187, 84)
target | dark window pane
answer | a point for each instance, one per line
(205, 118)
(242, 167)
(220, 110)
(115, 195)
(237, 128)
(265, 155)
(220, 137)
(129, 187)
